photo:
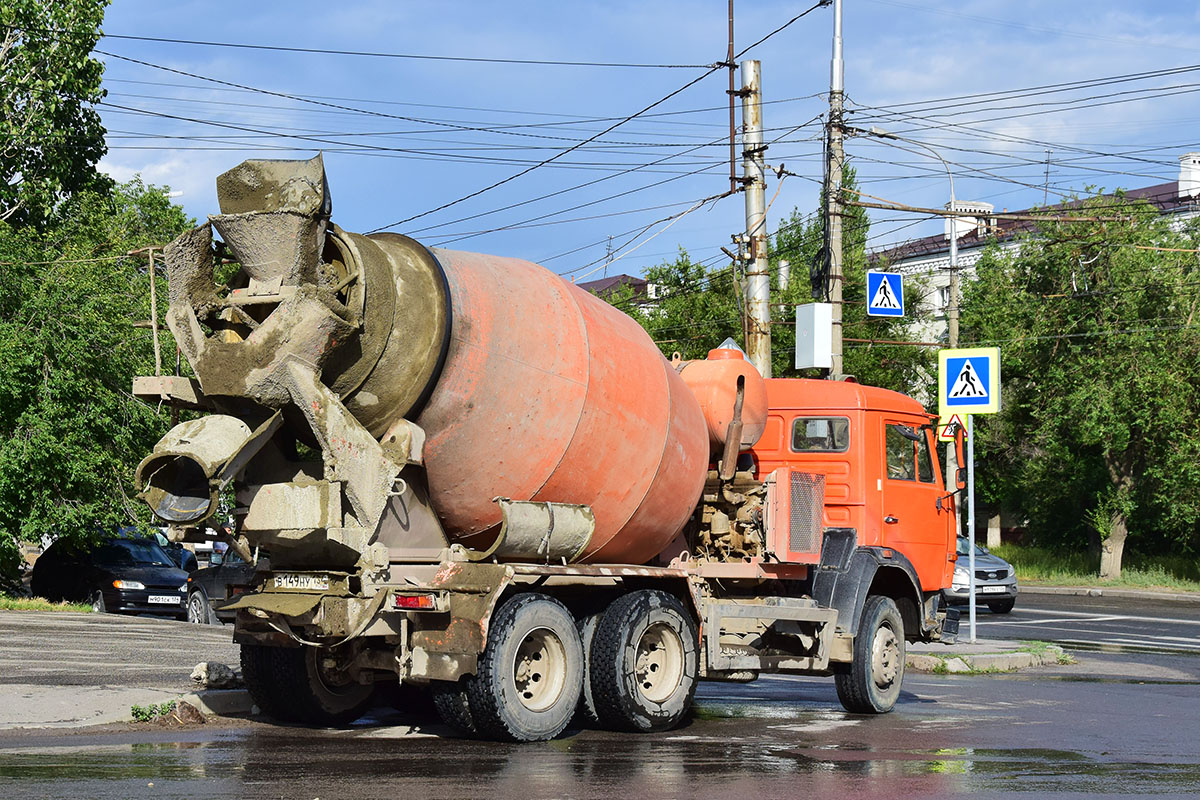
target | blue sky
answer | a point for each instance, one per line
(403, 136)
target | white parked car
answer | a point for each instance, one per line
(995, 579)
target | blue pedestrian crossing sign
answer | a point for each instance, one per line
(885, 294)
(969, 381)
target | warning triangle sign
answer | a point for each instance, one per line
(884, 296)
(967, 384)
(946, 432)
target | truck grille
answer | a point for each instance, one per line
(807, 504)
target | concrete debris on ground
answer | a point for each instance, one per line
(211, 675)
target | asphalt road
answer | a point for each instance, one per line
(1119, 724)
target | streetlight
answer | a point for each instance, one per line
(952, 305)
(952, 326)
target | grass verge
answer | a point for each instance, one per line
(8, 603)
(1040, 565)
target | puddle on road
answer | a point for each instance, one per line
(827, 753)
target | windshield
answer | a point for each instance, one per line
(963, 548)
(132, 553)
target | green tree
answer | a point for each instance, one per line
(70, 297)
(692, 310)
(800, 240)
(1099, 435)
(51, 137)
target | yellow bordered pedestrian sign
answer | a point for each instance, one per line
(969, 381)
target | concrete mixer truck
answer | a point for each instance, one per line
(461, 473)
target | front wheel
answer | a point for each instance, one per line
(98, 604)
(642, 663)
(530, 674)
(870, 684)
(1001, 606)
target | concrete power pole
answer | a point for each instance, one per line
(758, 278)
(833, 183)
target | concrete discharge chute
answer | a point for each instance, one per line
(436, 380)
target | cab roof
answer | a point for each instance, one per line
(793, 393)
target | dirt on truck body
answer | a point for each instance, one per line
(472, 477)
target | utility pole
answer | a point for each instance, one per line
(833, 188)
(758, 279)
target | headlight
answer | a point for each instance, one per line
(129, 585)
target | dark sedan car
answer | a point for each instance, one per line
(118, 574)
(208, 588)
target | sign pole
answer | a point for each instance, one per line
(971, 516)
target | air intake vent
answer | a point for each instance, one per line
(807, 502)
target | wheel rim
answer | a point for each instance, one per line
(659, 665)
(195, 609)
(885, 657)
(540, 669)
(97, 602)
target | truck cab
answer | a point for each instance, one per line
(877, 452)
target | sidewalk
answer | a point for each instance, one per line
(1133, 594)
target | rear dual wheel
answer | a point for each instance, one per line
(642, 663)
(528, 678)
(299, 684)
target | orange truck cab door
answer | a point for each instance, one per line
(910, 485)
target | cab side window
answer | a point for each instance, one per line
(900, 443)
(820, 435)
(924, 459)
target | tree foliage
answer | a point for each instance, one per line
(70, 431)
(51, 137)
(1099, 328)
(800, 240)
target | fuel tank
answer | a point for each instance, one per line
(526, 387)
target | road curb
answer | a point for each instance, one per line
(973, 663)
(221, 702)
(1132, 594)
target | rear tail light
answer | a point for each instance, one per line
(416, 602)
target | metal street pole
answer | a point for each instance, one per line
(951, 303)
(833, 183)
(971, 518)
(758, 278)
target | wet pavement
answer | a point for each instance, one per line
(1118, 723)
(1034, 734)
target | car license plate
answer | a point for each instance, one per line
(991, 589)
(165, 599)
(294, 580)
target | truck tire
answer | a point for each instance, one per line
(450, 700)
(258, 673)
(530, 674)
(199, 610)
(870, 684)
(586, 712)
(643, 662)
(292, 684)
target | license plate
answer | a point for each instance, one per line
(165, 599)
(991, 590)
(293, 580)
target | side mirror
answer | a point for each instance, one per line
(960, 474)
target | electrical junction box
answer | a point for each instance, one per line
(814, 336)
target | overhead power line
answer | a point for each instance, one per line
(409, 56)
